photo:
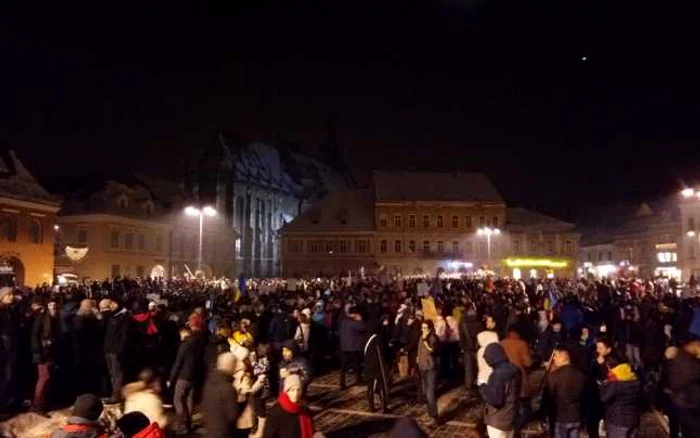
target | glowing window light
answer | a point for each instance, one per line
(546, 263)
(687, 193)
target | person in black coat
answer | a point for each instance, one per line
(684, 388)
(620, 395)
(116, 336)
(88, 336)
(352, 334)
(377, 372)
(9, 333)
(187, 371)
(289, 418)
(220, 401)
(502, 391)
(46, 333)
(469, 327)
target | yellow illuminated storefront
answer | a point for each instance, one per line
(538, 267)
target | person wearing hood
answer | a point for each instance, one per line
(289, 418)
(144, 396)
(469, 327)
(137, 425)
(620, 395)
(220, 400)
(501, 393)
(116, 336)
(83, 420)
(484, 339)
(318, 338)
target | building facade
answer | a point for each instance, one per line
(123, 228)
(27, 219)
(689, 204)
(258, 188)
(599, 259)
(413, 223)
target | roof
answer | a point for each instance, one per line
(351, 210)
(18, 183)
(434, 186)
(521, 217)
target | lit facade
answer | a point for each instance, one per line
(27, 219)
(689, 248)
(599, 260)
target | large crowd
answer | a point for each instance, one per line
(609, 350)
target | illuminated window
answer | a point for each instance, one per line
(533, 273)
(397, 246)
(691, 224)
(116, 271)
(411, 246)
(567, 247)
(455, 246)
(426, 246)
(412, 221)
(455, 221)
(439, 221)
(397, 221)
(667, 257)
(467, 222)
(440, 247)
(35, 232)
(8, 229)
(82, 236)
(114, 239)
(516, 246)
(426, 221)
(382, 246)
(382, 221)
(468, 248)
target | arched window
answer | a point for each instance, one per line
(35, 232)
(8, 229)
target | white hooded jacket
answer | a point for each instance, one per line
(485, 338)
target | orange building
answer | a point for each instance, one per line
(27, 219)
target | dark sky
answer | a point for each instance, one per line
(497, 86)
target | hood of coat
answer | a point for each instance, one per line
(495, 355)
(487, 337)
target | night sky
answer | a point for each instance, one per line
(566, 104)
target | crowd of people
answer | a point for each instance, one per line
(609, 350)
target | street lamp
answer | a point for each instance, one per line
(206, 211)
(488, 232)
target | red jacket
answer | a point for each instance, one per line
(152, 431)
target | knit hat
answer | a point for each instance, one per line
(88, 406)
(132, 423)
(291, 381)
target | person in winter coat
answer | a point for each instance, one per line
(352, 334)
(46, 333)
(620, 395)
(137, 425)
(9, 334)
(220, 400)
(449, 349)
(501, 393)
(684, 388)
(469, 327)
(563, 395)
(547, 340)
(292, 363)
(303, 333)
(88, 338)
(144, 396)
(484, 339)
(246, 387)
(518, 353)
(116, 336)
(289, 418)
(377, 373)
(187, 372)
(83, 420)
(427, 367)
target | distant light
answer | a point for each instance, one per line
(687, 193)
(56, 227)
(192, 211)
(209, 211)
(690, 233)
(584, 58)
(496, 231)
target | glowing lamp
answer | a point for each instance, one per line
(192, 211)
(690, 233)
(209, 211)
(687, 193)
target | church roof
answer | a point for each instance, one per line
(18, 183)
(350, 210)
(434, 186)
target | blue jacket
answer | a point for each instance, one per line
(502, 392)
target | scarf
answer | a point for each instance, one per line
(305, 425)
(151, 328)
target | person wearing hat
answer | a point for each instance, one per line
(83, 420)
(9, 331)
(293, 364)
(220, 400)
(289, 418)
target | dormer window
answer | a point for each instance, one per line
(148, 207)
(122, 202)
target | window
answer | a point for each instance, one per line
(159, 243)
(600, 256)
(411, 246)
(482, 248)
(382, 221)
(294, 246)
(455, 221)
(116, 271)
(482, 221)
(128, 241)
(139, 271)
(82, 236)
(114, 239)
(142, 242)
(123, 202)
(361, 246)
(439, 221)
(343, 246)
(328, 246)
(440, 247)
(468, 248)
(182, 245)
(237, 246)
(610, 256)
(691, 251)
(397, 246)
(533, 246)
(382, 246)
(412, 221)
(467, 222)
(8, 229)
(455, 246)
(148, 208)
(426, 221)
(426, 246)
(397, 221)
(494, 221)
(567, 247)
(667, 257)
(35, 232)
(550, 246)
(691, 224)
(516, 246)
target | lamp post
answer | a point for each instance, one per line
(488, 232)
(206, 211)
